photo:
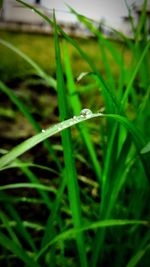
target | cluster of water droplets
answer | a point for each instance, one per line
(85, 113)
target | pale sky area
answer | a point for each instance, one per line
(110, 10)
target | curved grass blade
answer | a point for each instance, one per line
(138, 256)
(51, 81)
(20, 164)
(33, 141)
(30, 118)
(146, 148)
(17, 250)
(22, 231)
(6, 224)
(69, 234)
(136, 69)
(28, 185)
(48, 233)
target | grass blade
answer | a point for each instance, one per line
(33, 141)
(76, 107)
(71, 233)
(70, 169)
(51, 82)
(17, 250)
(30, 118)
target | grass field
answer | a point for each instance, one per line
(75, 151)
(40, 48)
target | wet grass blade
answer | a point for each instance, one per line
(33, 141)
(77, 107)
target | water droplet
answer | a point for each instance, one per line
(85, 112)
(74, 117)
(43, 131)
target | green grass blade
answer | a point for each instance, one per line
(71, 233)
(30, 118)
(33, 141)
(7, 226)
(20, 228)
(51, 82)
(27, 185)
(70, 169)
(76, 107)
(137, 257)
(110, 97)
(48, 233)
(136, 69)
(142, 26)
(17, 250)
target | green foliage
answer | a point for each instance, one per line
(94, 201)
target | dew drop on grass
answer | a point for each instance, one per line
(71, 122)
(85, 112)
(43, 131)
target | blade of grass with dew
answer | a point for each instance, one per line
(33, 141)
(40, 137)
(30, 118)
(17, 250)
(51, 82)
(76, 107)
(71, 233)
(73, 187)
